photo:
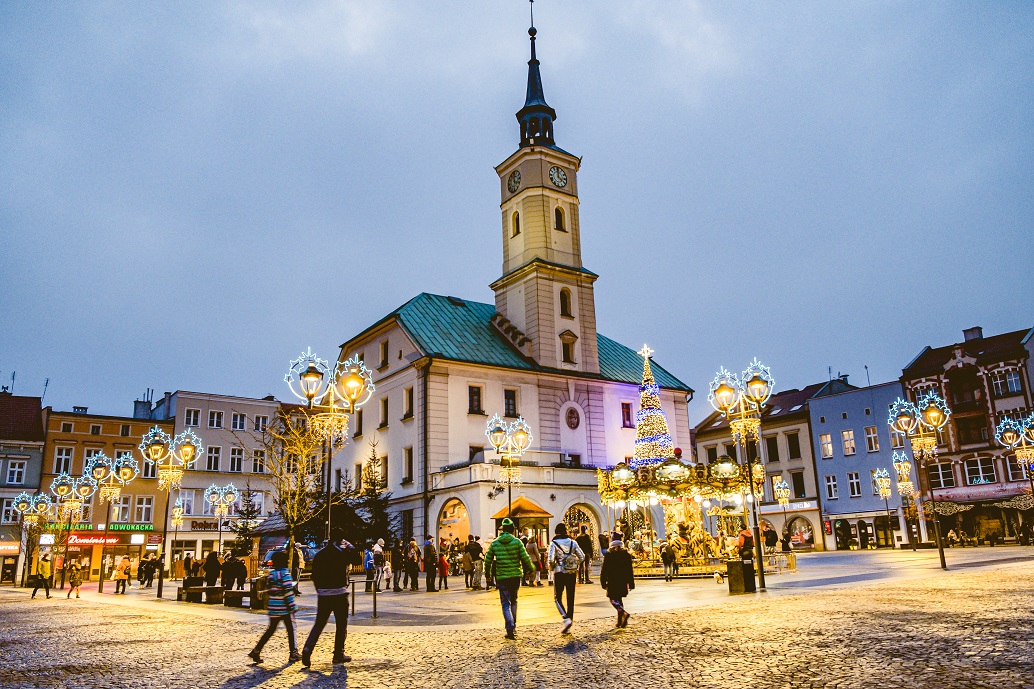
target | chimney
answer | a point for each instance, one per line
(141, 409)
(974, 333)
(79, 410)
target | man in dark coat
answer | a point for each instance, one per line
(212, 568)
(430, 563)
(584, 542)
(616, 576)
(330, 577)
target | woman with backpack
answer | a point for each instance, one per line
(565, 560)
(281, 607)
(616, 576)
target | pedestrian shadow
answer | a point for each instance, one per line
(257, 675)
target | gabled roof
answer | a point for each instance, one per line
(460, 330)
(21, 418)
(985, 350)
(523, 508)
(786, 404)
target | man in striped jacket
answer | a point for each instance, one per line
(508, 559)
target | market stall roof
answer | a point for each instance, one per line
(523, 508)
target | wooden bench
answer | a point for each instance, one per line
(235, 599)
(213, 595)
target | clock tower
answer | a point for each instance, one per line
(545, 295)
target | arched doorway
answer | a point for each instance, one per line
(865, 535)
(802, 534)
(454, 521)
(842, 534)
(580, 515)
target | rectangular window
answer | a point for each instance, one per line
(407, 458)
(358, 423)
(831, 487)
(510, 403)
(147, 469)
(872, 441)
(358, 478)
(897, 440)
(407, 524)
(192, 417)
(122, 509)
(66, 426)
(797, 484)
(144, 509)
(214, 454)
(752, 451)
(1005, 383)
(258, 499)
(95, 429)
(407, 397)
(1016, 472)
(339, 480)
(626, 415)
(384, 471)
(63, 460)
(980, 470)
(384, 354)
(854, 484)
(236, 459)
(238, 422)
(384, 413)
(16, 472)
(730, 450)
(793, 445)
(8, 515)
(568, 352)
(475, 453)
(772, 448)
(826, 441)
(187, 496)
(124, 430)
(474, 400)
(941, 475)
(88, 454)
(215, 419)
(260, 423)
(258, 462)
(848, 439)
(712, 455)
(875, 486)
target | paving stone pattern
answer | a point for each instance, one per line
(962, 629)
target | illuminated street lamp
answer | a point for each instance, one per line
(510, 443)
(921, 422)
(171, 457)
(32, 508)
(177, 522)
(220, 498)
(741, 399)
(71, 494)
(906, 489)
(881, 477)
(782, 493)
(111, 475)
(1018, 435)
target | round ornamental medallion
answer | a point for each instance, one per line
(514, 182)
(573, 419)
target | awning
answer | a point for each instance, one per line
(523, 508)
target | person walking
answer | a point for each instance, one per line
(535, 578)
(398, 564)
(467, 565)
(443, 567)
(75, 578)
(188, 565)
(477, 560)
(213, 568)
(668, 560)
(297, 563)
(281, 607)
(43, 574)
(565, 561)
(412, 566)
(507, 560)
(430, 564)
(378, 563)
(141, 570)
(122, 574)
(330, 577)
(616, 577)
(585, 543)
(368, 566)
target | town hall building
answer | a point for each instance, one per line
(444, 365)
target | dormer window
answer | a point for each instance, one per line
(516, 222)
(565, 303)
(558, 220)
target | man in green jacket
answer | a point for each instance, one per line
(508, 559)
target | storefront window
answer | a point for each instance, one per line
(801, 532)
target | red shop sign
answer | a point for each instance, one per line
(93, 539)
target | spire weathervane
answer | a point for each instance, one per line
(536, 117)
(532, 4)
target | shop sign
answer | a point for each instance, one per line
(800, 506)
(61, 526)
(46, 539)
(10, 547)
(154, 538)
(93, 539)
(130, 527)
(203, 526)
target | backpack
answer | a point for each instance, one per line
(368, 559)
(569, 561)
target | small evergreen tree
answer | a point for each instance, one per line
(247, 517)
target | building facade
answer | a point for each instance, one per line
(21, 461)
(786, 451)
(983, 380)
(851, 440)
(134, 521)
(443, 366)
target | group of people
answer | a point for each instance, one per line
(230, 571)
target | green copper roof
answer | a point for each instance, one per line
(460, 330)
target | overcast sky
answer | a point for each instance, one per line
(192, 193)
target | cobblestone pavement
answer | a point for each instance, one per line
(971, 628)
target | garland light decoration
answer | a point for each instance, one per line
(653, 443)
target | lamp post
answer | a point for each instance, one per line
(331, 395)
(881, 477)
(906, 489)
(741, 400)
(510, 443)
(221, 497)
(71, 494)
(921, 422)
(32, 509)
(1018, 435)
(111, 475)
(177, 522)
(171, 457)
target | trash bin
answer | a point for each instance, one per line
(740, 576)
(258, 598)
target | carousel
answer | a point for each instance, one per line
(659, 500)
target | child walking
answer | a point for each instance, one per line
(75, 579)
(616, 576)
(281, 607)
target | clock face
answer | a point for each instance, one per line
(514, 182)
(557, 176)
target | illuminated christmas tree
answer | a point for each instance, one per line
(653, 443)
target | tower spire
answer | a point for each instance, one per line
(536, 117)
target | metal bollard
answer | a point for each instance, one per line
(375, 601)
(353, 598)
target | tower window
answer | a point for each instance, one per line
(567, 340)
(516, 224)
(565, 303)
(558, 217)
(568, 352)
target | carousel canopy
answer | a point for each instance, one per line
(523, 508)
